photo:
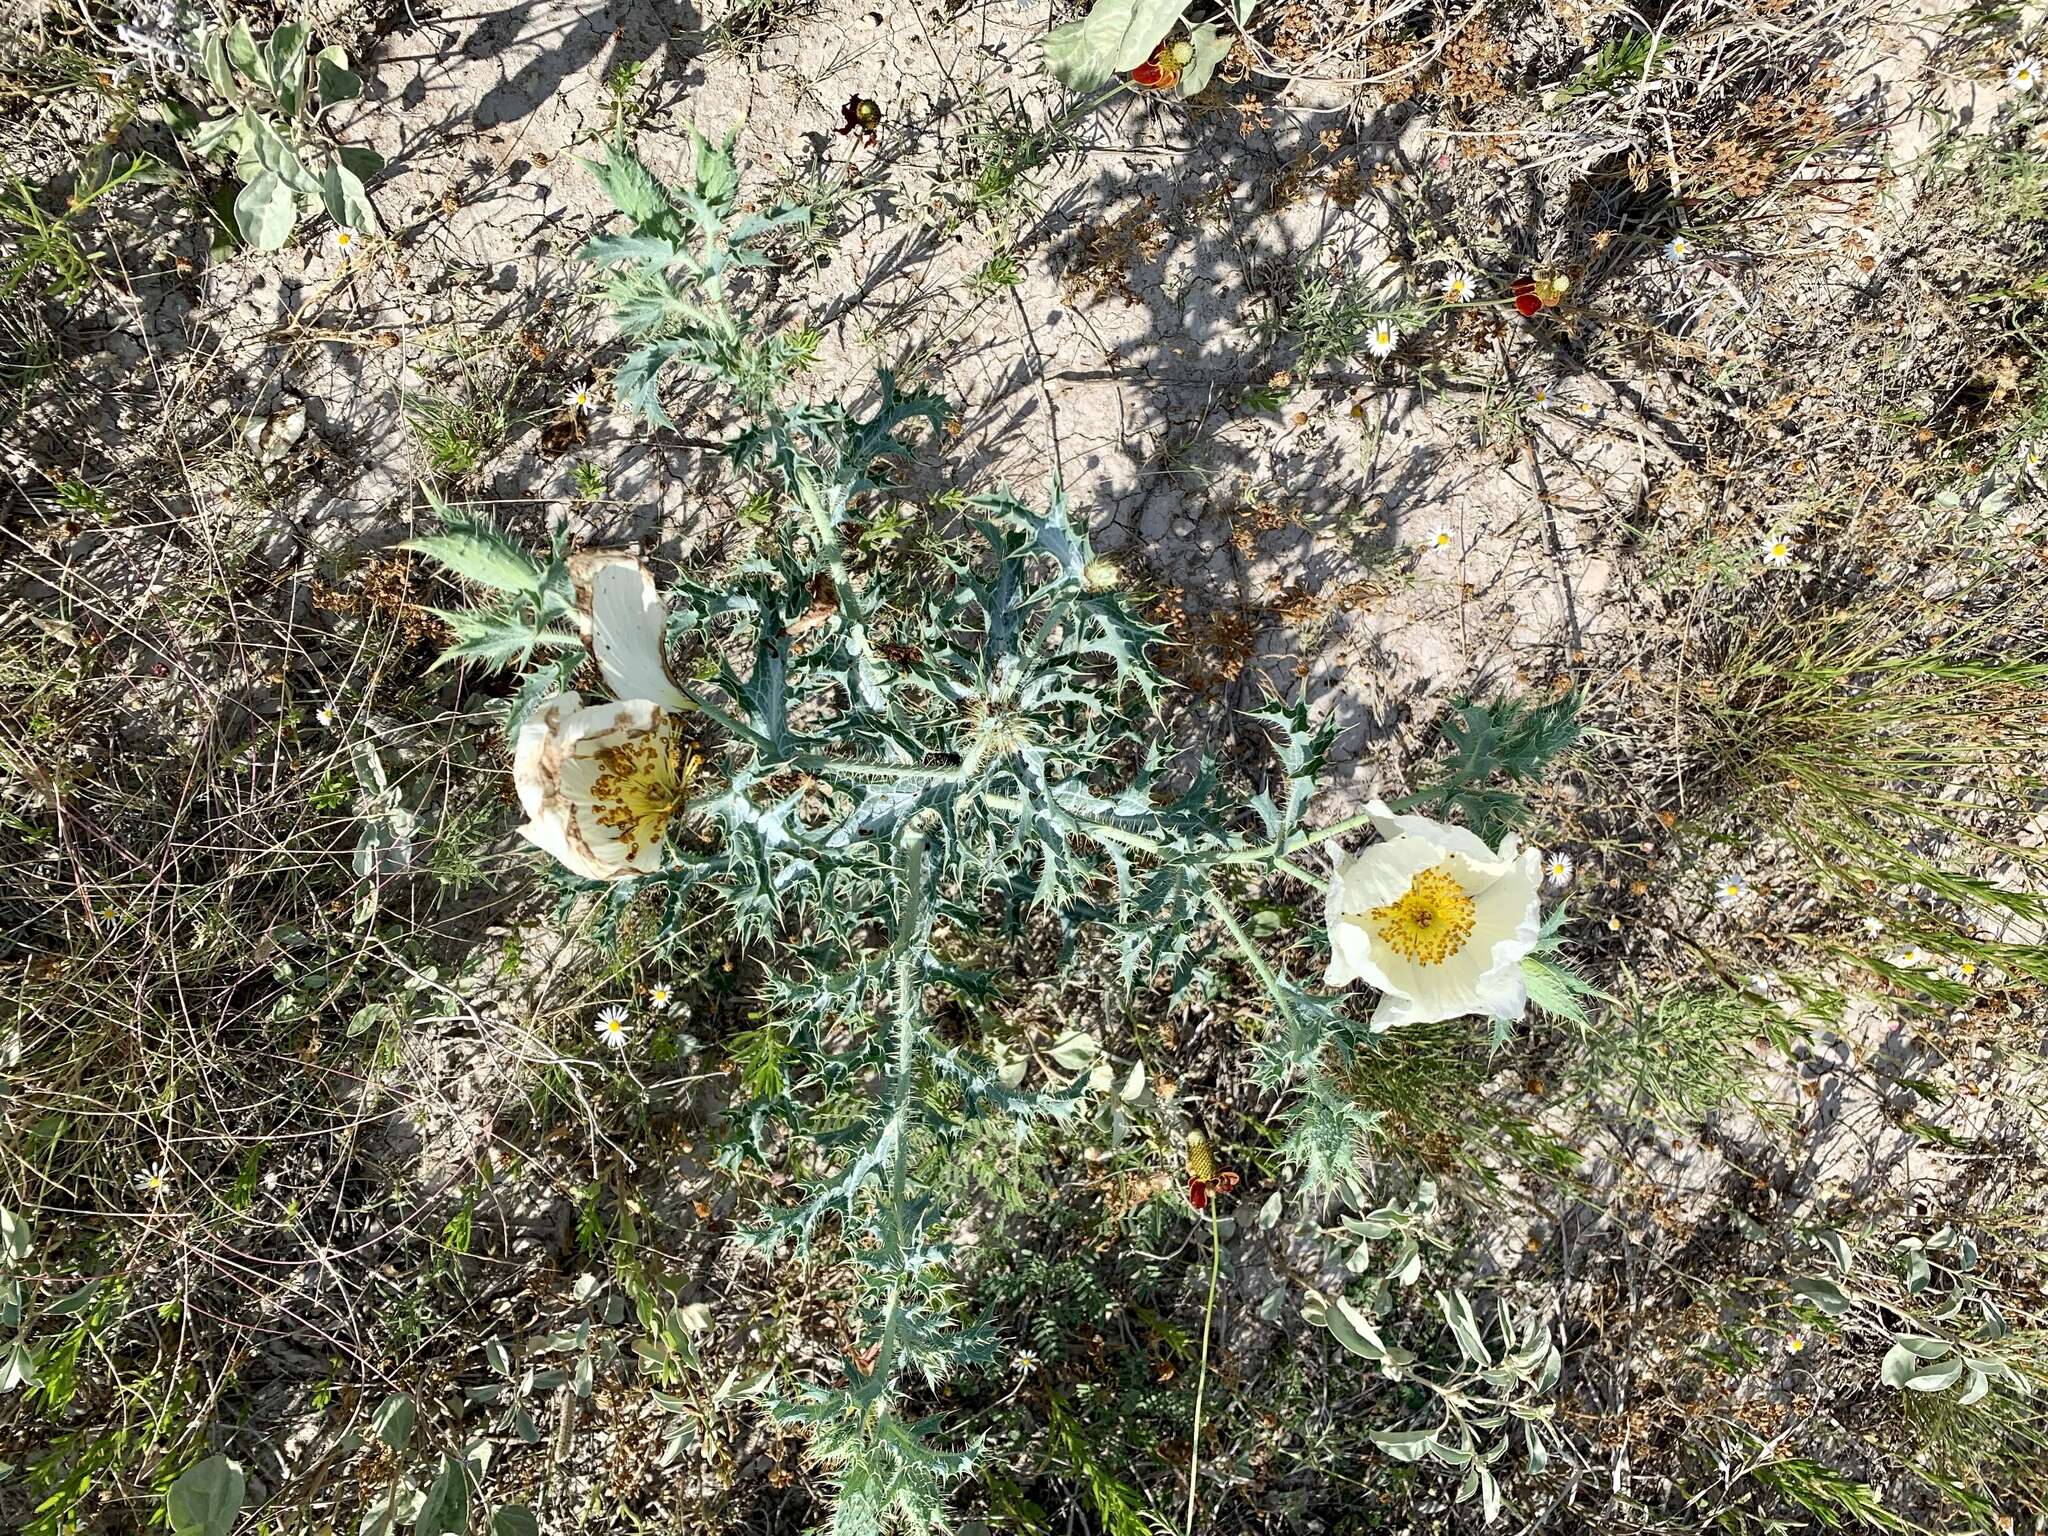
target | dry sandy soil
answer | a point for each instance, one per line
(1605, 475)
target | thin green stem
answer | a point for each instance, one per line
(1250, 951)
(728, 722)
(819, 763)
(1202, 1375)
(1298, 842)
(908, 940)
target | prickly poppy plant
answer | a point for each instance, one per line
(874, 770)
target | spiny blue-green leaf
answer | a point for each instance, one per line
(635, 192)
(628, 250)
(473, 549)
(637, 384)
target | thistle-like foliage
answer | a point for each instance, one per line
(907, 760)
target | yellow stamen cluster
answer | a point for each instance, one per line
(1429, 924)
(645, 781)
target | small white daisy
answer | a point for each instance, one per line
(1539, 394)
(2024, 75)
(1966, 970)
(326, 716)
(611, 1025)
(1794, 1343)
(1678, 248)
(1913, 958)
(1731, 890)
(1584, 408)
(581, 397)
(1441, 537)
(1024, 1362)
(1778, 551)
(1458, 288)
(2032, 460)
(1384, 338)
(1558, 869)
(154, 1181)
(659, 996)
(346, 240)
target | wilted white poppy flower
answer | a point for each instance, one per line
(623, 624)
(1434, 919)
(601, 783)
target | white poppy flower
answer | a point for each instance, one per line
(600, 783)
(623, 623)
(1434, 919)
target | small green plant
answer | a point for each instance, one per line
(1682, 1054)
(260, 108)
(1634, 58)
(624, 96)
(998, 274)
(1896, 765)
(458, 433)
(744, 25)
(1494, 1383)
(32, 241)
(1335, 315)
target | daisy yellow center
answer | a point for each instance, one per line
(1429, 924)
(643, 781)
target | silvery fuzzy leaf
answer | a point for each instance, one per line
(266, 212)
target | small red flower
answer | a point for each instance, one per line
(1544, 288)
(1162, 71)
